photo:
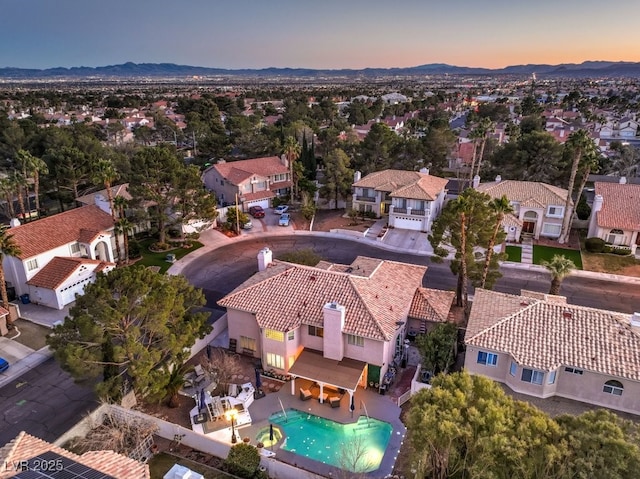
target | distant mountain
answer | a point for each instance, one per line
(156, 70)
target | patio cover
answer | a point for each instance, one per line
(312, 365)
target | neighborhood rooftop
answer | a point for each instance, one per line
(621, 208)
(405, 184)
(527, 193)
(548, 333)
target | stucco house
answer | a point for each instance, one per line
(411, 199)
(538, 344)
(336, 325)
(60, 255)
(538, 208)
(615, 214)
(254, 181)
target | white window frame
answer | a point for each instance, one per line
(554, 234)
(613, 389)
(274, 335)
(291, 335)
(552, 377)
(513, 369)
(32, 264)
(572, 370)
(275, 361)
(355, 340)
(555, 214)
(317, 331)
(535, 377)
(248, 343)
(490, 359)
(74, 248)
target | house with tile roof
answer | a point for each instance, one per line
(256, 182)
(540, 345)
(411, 199)
(615, 214)
(333, 324)
(25, 456)
(538, 208)
(60, 255)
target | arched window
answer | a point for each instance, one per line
(615, 236)
(613, 387)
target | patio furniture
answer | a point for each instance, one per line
(323, 397)
(200, 374)
(334, 401)
(305, 394)
(233, 390)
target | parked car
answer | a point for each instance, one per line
(4, 365)
(284, 219)
(281, 209)
(248, 225)
(256, 211)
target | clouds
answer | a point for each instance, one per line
(327, 34)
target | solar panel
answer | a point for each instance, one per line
(51, 465)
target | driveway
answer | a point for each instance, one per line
(267, 224)
(408, 239)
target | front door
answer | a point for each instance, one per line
(528, 227)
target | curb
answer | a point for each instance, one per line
(26, 364)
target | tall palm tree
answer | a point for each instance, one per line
(462, 290)
(292, 150)
(32, 167)
(19, 184)
(105, 174)
(8, 247)
(590, 162)
(120, 203)
(7, 190)
(560, 267)
(124, 227)
(501, 207)
(582, 145)
(485, 127)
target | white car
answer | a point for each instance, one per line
(281, 209)
(248, 225)
(284, 219)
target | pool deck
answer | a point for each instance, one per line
(378, 406)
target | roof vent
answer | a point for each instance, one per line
(524, 303)
(635, 320)
(333, 305)
(567, 314)
(312, 278)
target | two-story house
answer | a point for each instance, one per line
(60, 255)
(615, 214)
(412, 199)
(538, 208)
(336, 325)
(538, 344)
(255, 181)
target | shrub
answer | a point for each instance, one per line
(622, 251)
(583, 211)
(160, 246)
(594, 245)
(607, 249)
(308, 211)
(243, 460)
(134, 250)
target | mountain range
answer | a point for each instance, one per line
(131, 70)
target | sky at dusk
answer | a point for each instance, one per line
(321, 34)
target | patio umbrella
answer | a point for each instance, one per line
(271, 436)
(209, 352)
(352, 406)
(202, 403)
(258, 380)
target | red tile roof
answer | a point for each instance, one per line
(620, 206)
(238, 171)
(25, 447)
(45, 234)
(56, 271)
(431, 304)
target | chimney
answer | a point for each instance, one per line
(265, 258)
(357, 176)
(476, 181)
(635, 320)
(333, 323)
(623, 180)
(424, 170)
(498, 179)
(597, 203)
(284, 161)
(14, 222)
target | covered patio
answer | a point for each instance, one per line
(337, 376)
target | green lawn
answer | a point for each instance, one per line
(149, 258)
(545, 253)
(514, 254)
(160, 464)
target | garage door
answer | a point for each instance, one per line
(68, 294)
(406, 223)
(263, 203)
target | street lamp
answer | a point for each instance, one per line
(231, 415)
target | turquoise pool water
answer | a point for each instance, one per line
(356, 447)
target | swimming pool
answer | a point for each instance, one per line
(356, 447)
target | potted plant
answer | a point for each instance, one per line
(246, 440)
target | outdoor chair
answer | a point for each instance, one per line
(200, 374)
(334, 401)
(305, 394)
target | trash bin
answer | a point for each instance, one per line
(25, 299)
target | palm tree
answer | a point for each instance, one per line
(124, 227)
(590, 162)
(105, 174)
(582, 145)
(121, 203)
(560, 267)
(501, 207)
(19, 183)
(485, 127)
(292, 151)
(462, 293)
(33, 166)
(8, 247)
(7, 190)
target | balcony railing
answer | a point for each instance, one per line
(370, 199)
(417, 212)
(397, 209)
